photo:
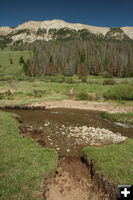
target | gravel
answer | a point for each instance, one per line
(93, 136)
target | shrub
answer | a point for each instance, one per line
(1, 97)
(83, 95)
(57, 79)
(106, 74)
(38, 93)
(6, 95)
(30, 94)
(120, 92)
(11, 61)
(10, 97)
(26, 67)
(60, 79)
(84, 80)
(98, 96)
(108, 82)
(70, 80)
(52, 79)
(18, 93)
(125, 82)
(93, 96)
(21, 60)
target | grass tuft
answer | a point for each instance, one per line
(83, 95)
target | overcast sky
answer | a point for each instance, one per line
(111, 13)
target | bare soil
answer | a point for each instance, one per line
(83, 105)
(71, 93)
(71, 182)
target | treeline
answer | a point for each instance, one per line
(107, 58)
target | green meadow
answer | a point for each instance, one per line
(12, 71)
(23, 164)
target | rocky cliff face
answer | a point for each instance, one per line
(58, 29)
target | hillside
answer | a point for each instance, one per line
(60, 30)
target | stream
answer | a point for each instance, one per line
(51, 127)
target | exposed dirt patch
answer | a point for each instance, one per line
(71, 93)
(4, 91)
(83, 105)
(72, 182)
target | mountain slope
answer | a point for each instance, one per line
(58, 29)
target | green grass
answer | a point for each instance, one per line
(12, 71)
(126, 118)
(24, 92)
(115, 162)
(22, 162)
(120, 92)
(82, 96)
(94, 88)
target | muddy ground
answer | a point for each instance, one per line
(72, 182)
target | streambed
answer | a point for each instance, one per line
(52, 128)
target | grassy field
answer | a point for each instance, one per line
(23, 163)
(120, 117)
(12, 71)
(34, 90)
(115, 162)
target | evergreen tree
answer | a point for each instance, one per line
(26, 67)
(21, 60)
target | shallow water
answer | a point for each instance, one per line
(45, 126)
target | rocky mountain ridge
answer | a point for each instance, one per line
(31, 31)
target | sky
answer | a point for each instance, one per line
(108, 13)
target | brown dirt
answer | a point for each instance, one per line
(71, 93)
(83, 105)
(100, 183)
(4, 91)
(72, 182)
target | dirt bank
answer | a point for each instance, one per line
(73, 104)
(83, 105)
(79, 180)
(99, 183)
(72, 181)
